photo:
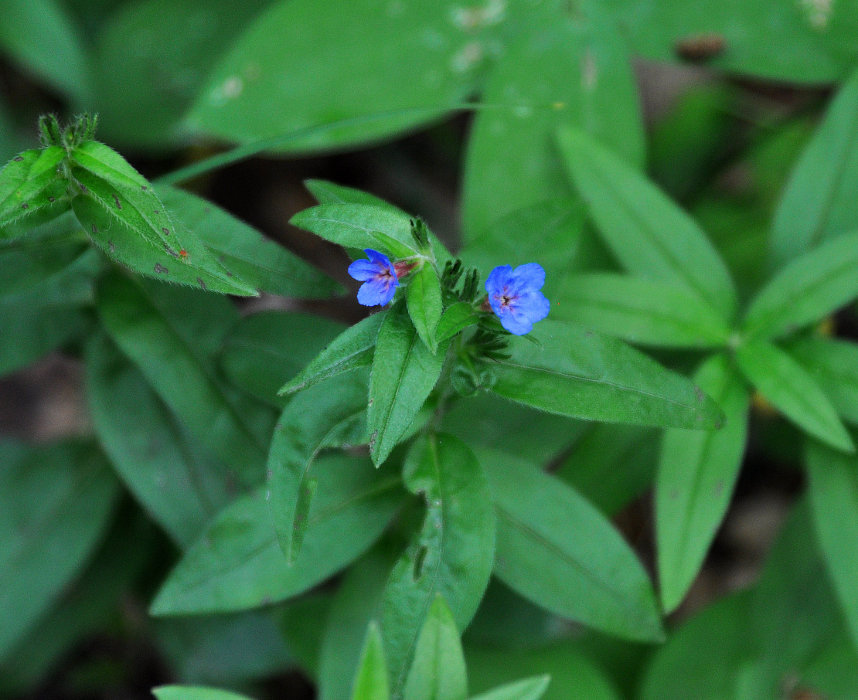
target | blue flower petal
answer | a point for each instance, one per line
(363, 270)
(524, 304)
(497, 279)
(531, 275)
(379, 259)
(535, 305)
(517, 323)
(376, 293)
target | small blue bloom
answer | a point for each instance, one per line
(515, 297)
(378, 276)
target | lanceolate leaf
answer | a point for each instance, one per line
(194, 692)
(404, 372)
(238, 564)
(456, 317)
(438, 671)
(783, 382)
(576, 373)
(352, 349)
(834, 507)
(330, 193)
(32, 188)
(329, 415)
(527, 689)
(451, 556)
(55, 502)
(807, 289)
(833, 364)
(119, 210)
(558, 551)
(818, 202)
(649, 235)
(371, 681)
(694, 484)
(258, 261)
(423, 297)
(640, 310)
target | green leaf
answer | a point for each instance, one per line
(438, 670)
(300, 65)
(817, 202)
(124, 217)
(806, 289)
(352, 349)
(423, 297)
(55, 503)
(371, 681)
(32, 189)
(194, 692)
(263, 349)
(579, 374)
(456, 318)
(834, 507)
(329, 415)
(585, 78)
(167, 69)
(179, 484)
(595, 580)
(452, 554)
(238, 564)
(833, 364)
(647, 233)
(258, 261)
(694, 484)
(639, 310)
(299, 628)
(783, 382)
(156, 338)
(404, 372)
(527, 689)
(331, 193)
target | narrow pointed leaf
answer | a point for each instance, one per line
(438, 670)
(526, 689)
(649, 234)
(329, 415)
(639, 310)
(790, 389)
(423, 297)
(352, 225)
(237, 564)
(806, 289)
(593, 578)
(194, 692)
(371, 681)
(456, 318)
(327, 192)
(833, 364)
(696, 475)
(452, 554)
(31, 186)
(579, 374)
(404, 372)
(352, 349)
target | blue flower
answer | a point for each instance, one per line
(378, 276)
(515, 297)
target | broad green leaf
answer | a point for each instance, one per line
(299, 628)
(351, 349)
(790, 389)
(647, 233)
(166, 68)
(639, 310)
(371, 681)
(818, 201)
(423, 297)
(527, 689)
(194, 692)
(329, 415)
(42, 36)
(238, 564)
(331, 193)
(561, 70)
(596, 580)
(177, 367)
(55, 503)
(32, 189)
(124, 217)
(834, 507)
(179, 484)
(404, 372)
(576, 373)
(355, 603)
(258, 261)
(610, 465)
(833, 364)
(263, 349)
(572, 674)
(806, 289)
(301, 65)
(456, 318)
(452, 554)
(438, 670)
(694, 484)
